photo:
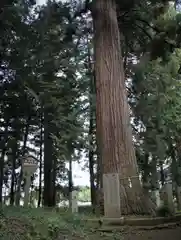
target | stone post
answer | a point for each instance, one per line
(111, 189)
(27, 189)
(29, 167)
(167, 196)
(156, 197)
(74, 204)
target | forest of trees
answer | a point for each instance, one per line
(99, 79)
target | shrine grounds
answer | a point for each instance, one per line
(46, 224)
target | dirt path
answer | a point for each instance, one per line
(163, 234)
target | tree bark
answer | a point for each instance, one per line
(112, 111)
(70, 182)
(54, 190)
(162, 175)
(41, 151)
(92, 161)
(13, 176)
(178, 152)
(48, 160)
(92, 133)
(18, 193)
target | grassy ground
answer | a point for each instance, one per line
(45, 224)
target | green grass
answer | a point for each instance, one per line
(18, 223)
(38, 224)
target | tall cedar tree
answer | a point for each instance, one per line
(113, 121)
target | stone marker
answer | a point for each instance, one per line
(111, 189)
(74, 204)
(156, 197)
(29, 166)
(167, 196)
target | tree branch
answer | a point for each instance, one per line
(157, 30)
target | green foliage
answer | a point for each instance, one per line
(151, 28)
(151, 49)
(84, 194)
(39, 85)
(157, 106)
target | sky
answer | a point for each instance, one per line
(40, 1)
(80, 177)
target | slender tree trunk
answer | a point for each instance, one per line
(18, 193)
(92, 162)
(175, 4)
(49, 152)
(2, 172)
(145, 175)
(48, 160)
(174, 164)
(70, 182)
(41, 151)
(177, 172)
(162, 175)
(13, 176)
(3, 151)
(99, 180)
(154, 179)
(178, 150)
(54, 180)
(113, 121)
(99, 171)
(47, 163)
(91, 128)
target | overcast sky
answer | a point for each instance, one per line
(43, 1)
(40, 1)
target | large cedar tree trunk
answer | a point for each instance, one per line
(112, 111)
